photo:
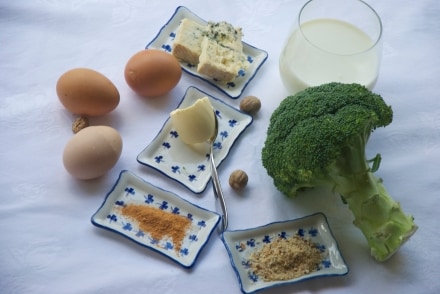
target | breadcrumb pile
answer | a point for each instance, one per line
(285, 259)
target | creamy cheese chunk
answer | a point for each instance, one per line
(219, 62)
(216, 49)
(187, 43)
(195, 123)
(225, 34)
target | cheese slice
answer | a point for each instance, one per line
(216, 49)
(225, 34)
(219, 62)
(187, 42)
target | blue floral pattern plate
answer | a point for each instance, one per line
(256, 57)
(241, 244)
(189, 164)
(131, 189)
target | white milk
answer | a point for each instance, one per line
(345, 54)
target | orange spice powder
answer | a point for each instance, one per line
(158, 223)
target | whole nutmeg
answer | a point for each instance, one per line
(238, 179)
(250, 104)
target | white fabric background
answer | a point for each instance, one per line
(47, 243)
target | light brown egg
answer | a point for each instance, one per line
(92, 152)
(152, 72)
(87, 92)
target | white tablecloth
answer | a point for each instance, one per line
(47, 242)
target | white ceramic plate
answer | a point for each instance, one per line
(189, 165)
(241, 244)
(130, 189)
(164, 40)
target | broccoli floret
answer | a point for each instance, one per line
(317, 138)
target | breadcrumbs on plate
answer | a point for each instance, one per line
(285, 259)
(158, 223)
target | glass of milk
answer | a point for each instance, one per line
(332, 41)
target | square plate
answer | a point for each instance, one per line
(241, 244)
(130, 189)
(164, 40)
(189, 165)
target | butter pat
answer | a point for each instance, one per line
(195, 123)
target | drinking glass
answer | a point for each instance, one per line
(332, 41)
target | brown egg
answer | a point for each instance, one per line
(87, 92)
(92, 152)
(152, 72)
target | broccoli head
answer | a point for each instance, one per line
(317, 138)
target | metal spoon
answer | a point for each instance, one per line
(215, 181)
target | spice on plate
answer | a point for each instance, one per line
(158, 223)
(285, 259)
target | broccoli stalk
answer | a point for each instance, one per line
(318, 138)
(377, 215)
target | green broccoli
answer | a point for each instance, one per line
(317, 138)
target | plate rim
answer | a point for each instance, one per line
(287, 282)
(264, 53)
(219, 162)
(128, 173)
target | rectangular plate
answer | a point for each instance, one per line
(131, 189)
(189, 165)
(241, 244)
(164, 40)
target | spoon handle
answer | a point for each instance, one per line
(218, 193)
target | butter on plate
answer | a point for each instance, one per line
(195, 123)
